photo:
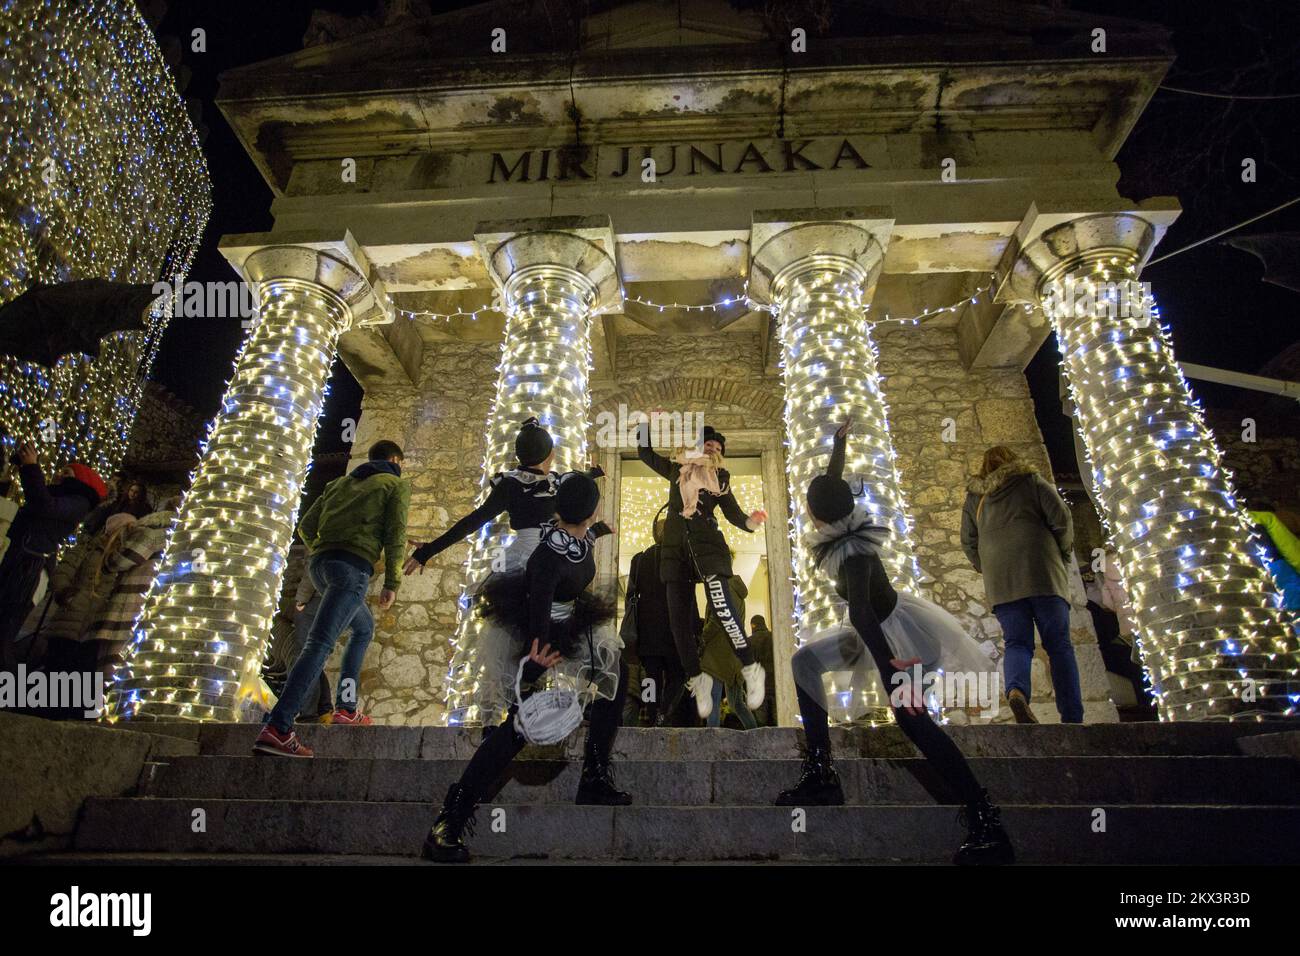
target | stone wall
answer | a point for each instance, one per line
(942, 418)
(440, 426)
(721, 375)
(165, 439)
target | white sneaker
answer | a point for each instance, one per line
(755, 685)
(701, 688)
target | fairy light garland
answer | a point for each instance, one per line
(641, 499)
(199, 644)
(717, 306)
(545, 362)
(829, 364)
(1213, 636)
(103, 176)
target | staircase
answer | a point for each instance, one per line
(1171, 793)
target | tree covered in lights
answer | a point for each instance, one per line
(101, 175)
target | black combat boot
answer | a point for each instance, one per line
(819, 783)
(986, 843)
(445, 842)
(596, 787)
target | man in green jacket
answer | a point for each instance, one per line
(356, 518)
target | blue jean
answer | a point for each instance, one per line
(342, 580)
(1051, 613)
(736, 694)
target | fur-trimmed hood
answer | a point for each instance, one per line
(1000, 477)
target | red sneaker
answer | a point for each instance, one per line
(350, 718)
(271, 741)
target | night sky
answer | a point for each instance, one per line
(1221, 312)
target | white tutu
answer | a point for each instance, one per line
(953, 665)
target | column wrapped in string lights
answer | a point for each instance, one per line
(552, 283)
(101, 175)
(1213, 636)
(819, 276)
(198, 646)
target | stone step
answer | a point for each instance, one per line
(1099, 781)
(923, 834)
(636, 743)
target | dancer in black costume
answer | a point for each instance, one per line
(848, 551)
(552, 613)
(693, 549)
(526, 493)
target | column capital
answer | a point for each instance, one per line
(330, 269)
(1048, 244)
(780, 237)
(583, 244)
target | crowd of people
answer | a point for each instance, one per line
(545, 662)
(79, 556)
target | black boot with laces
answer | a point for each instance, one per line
(819, 783)
(446, 841)
(986, 843)
(596, 786)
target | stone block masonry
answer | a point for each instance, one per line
(440, 426)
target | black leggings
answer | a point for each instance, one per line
(503, 744)
(934, 744)
(682, 618)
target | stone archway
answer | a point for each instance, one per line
(735, 404)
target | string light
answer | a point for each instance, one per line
(103, 177)
(198, 647)
(717, 306)
(1214, 638)
(641, 499)
(829, 364)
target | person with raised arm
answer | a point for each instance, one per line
(526, 493)
(693, 549)
(899, 631)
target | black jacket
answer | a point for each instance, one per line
(526, 494)
(49, 513)
(699, 536)
(653, 636)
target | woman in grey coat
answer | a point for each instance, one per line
(1017, 532)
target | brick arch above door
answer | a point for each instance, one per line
(726, 404)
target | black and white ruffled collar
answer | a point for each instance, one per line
(855, 534)
(564, 544)
(528, 477)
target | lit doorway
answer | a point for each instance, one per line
(642, 495)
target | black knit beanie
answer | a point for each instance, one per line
(533, 443)
(577, 498)
(711, 434)
(829, 499)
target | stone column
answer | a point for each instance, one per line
(199, 644)
(820, 275)
(552, 281)
(1214, 640)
